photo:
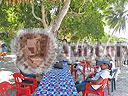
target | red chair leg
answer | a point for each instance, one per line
(84, 71)
(72, 69)
(83, 93)
(108, 87)
(102, 94)
(75, 74)
(90, 67)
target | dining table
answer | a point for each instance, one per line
(57, 82)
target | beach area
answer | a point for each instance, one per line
(8, 67)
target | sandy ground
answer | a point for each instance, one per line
(122, 83)
(8, 67)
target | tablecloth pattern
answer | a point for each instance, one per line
(57, 82)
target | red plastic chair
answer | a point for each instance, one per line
(88, 65)
(108, 85)
(18, 77)
(83, 64)
(95, 68)
(99, 91)
(22, 91)
(4, 86)
(94, 71)
(73, 70)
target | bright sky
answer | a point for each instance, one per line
(121, 34)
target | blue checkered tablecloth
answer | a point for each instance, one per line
(57, 82)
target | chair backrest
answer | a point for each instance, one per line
(18, 77)
(99, 91)
(102, 88)
(88, 62)
(4, 88)
(104, 83)
(113, 72)
(96, 69)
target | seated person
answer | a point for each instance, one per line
(79, 68)
(98, 78)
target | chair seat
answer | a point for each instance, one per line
(5, 86)
(99, 91)
(31, 82)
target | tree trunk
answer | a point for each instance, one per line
(0, 1)
(57, 22)
(36, 48)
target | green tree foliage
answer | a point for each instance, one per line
(83, 22)
(8, 23)
(116, 15)
(17, 16)
(8, 20)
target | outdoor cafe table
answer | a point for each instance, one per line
(57, 82)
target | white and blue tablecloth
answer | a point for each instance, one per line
(57, 82)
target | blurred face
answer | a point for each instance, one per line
(104, 66)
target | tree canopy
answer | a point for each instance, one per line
(83, 22)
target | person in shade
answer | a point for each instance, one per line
(104, 73)
(4, 47)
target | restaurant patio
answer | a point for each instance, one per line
(60, 48)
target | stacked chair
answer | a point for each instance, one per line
(22, 88)
(5, 86)
(19, 78)
(99, 91)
